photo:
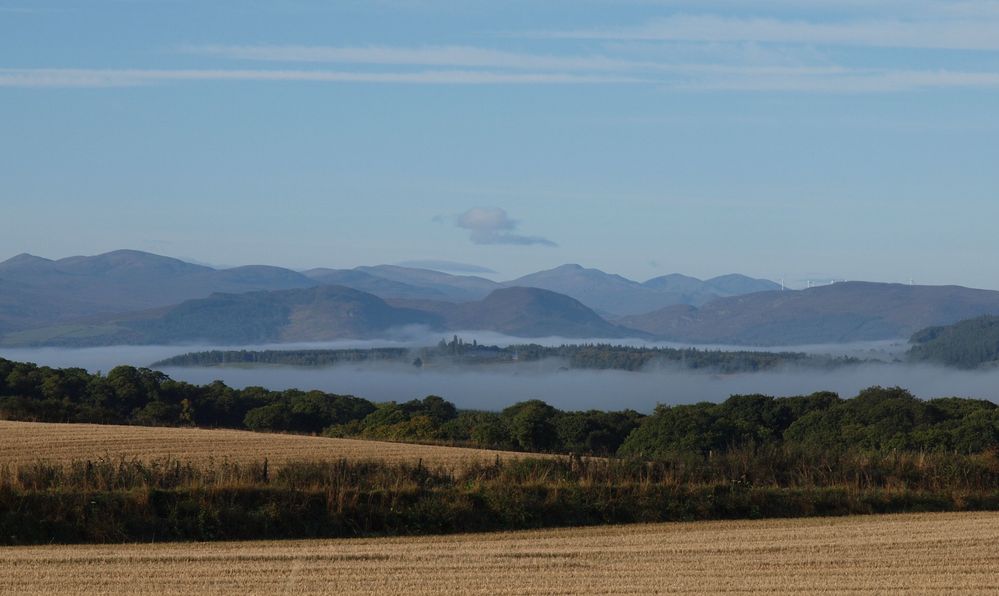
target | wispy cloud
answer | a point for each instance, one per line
(682, 52)
(909, 8)
(492, 225)
(738, 65)
(76, 77)
(451, 56)
(958, 34)
(473, 57)
(682, 77)
(853, 82)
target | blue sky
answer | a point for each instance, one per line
(797, 139)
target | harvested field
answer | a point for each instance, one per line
(27, 442)
(918, 553)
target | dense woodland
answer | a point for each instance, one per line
(877, 420)
(457, 351)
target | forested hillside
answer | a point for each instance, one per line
(967, 344)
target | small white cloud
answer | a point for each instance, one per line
(492, 225)
(491, 219)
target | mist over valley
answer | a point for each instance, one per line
(496, 387)
(269, 308)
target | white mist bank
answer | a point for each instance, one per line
(500, 386)
(107, 357)
(604, 390)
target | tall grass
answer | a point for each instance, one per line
(108, 500)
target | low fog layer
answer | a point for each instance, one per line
(495, 388)
(104, 358)
(585, 389)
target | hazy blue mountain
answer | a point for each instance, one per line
(534, 312)
(257, 277)
(735, 284)
(24, 261)
(696, 291)
(617, 295)
(306, 314)
(310, 314)
(328, 313)
(374, 284)
(140, 297)
(122, 281)
(603, 292)
(125, 281)
(22, 307)
(842, 312)
(446, 266)
(527, 312)
(458, 288)
(410, 283)
(675, 282)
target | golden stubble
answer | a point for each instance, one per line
(30, 442)
(913, 553)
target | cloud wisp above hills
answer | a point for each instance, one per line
(708, 136)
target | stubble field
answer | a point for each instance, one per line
(28, 442)
(915, 553)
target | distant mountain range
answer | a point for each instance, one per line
(527, 312)
(836, 313)
(38, 291)
(136, 297)
(324, 313)
(606, 293)
(121, 281)
(391, 281)
(616, 295)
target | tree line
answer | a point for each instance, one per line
(878, 419)
(576, 356)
